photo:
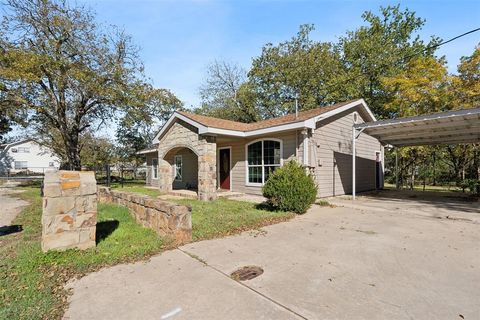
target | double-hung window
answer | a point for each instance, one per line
(20, 165)
(178, 167)
(154, 168)
(263, 157)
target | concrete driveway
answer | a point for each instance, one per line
(331, 263)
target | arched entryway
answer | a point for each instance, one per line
(190, 166)
(184, 163)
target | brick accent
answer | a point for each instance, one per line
(183, 135)
(165, 218)
(69, 215)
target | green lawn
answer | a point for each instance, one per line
(32, 283)
(212, 219)
(138, 189)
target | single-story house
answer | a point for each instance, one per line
(27, 155)
(209, 154)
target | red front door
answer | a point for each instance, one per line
(224, 168)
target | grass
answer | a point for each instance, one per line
(222, 217)
(138, 189)
(31, 282)
(323, 203)
(136, 186)
(448, 188)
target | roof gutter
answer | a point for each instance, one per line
(146, 151)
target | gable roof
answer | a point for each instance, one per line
(6, 146)
(304, 119)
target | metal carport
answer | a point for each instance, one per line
(452, 127)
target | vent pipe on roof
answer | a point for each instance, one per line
(296, 105)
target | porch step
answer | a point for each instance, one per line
(229, 194)
(183, 193)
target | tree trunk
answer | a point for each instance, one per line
(412, 179)
(73, 154)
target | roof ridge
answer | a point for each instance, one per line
(254, 125)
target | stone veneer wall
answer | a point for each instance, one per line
(183, 135)
(69, 214)
(165, 218)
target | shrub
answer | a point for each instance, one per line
(473, 185)
(290, 188)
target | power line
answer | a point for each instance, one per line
(444, 42)
(414, 54)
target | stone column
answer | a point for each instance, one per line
(207, 170)
(165, 176)
(69, 214)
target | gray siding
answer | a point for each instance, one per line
(150, 181)
(333, 168)
(238, 174)
(331, 143)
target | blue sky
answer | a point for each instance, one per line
(179, 38)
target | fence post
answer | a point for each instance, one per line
(121, 174)
(107, 169)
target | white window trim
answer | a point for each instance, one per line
(218, 167)
(178, 156)
(21, 168)
(153, 169)
(256, 184)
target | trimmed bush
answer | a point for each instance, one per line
(289, 188)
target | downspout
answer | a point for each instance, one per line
(305, 147)
(296, 144)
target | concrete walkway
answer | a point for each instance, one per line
(10, 206)
(332, 263)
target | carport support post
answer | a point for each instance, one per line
(396, 168)
(354, 155)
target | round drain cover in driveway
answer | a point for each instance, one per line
(246, 273)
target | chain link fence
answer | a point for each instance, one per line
(107, 175)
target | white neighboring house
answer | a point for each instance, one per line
(27, 155)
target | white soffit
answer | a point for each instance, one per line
(452, 127)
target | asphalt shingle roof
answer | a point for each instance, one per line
(240, 126)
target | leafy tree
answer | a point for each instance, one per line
(467, 84)
(382, 48)
(65, 70)
(4, 126)
(424, 86)
(322, 73)
(225, 93)
(136, 128)
(96, 152)
(297, 67)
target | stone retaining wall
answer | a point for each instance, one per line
(167, 219)
(69, 215)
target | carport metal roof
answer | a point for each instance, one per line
(452, 127)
